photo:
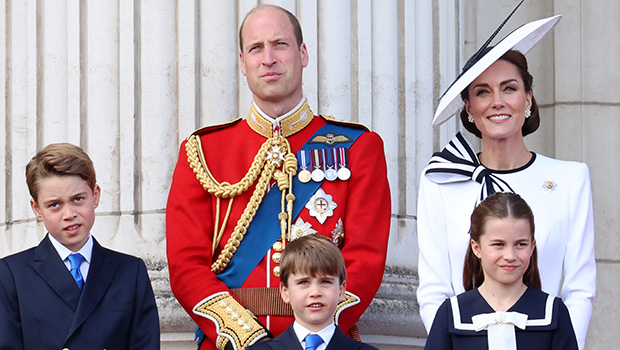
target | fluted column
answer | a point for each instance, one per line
(129, 80)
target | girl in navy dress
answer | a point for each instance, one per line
(503, 306)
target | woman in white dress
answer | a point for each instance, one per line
(499, 107)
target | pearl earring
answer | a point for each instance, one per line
(528, 113)
(470, 118)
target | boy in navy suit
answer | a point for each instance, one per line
(313, 281)
(69, 292)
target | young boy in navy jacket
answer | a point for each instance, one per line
(313, 281)
(69, 292)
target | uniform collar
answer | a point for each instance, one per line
(287, 124)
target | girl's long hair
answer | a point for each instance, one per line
(498, 206)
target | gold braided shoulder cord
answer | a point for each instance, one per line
(266, 163)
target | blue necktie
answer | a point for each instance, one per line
(76, 261)
(313, 341)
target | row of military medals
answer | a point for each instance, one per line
(323, 164)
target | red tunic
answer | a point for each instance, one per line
(363, 204)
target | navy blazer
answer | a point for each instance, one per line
(42, 308)
(288, 341)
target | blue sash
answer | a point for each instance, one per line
(264, 230)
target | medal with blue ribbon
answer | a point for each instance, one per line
(330, 173)
(304, 175)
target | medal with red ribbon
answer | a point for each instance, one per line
(343, 172)
(317, 164)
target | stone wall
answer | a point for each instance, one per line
(129, 80)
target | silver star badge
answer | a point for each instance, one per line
(321, 205)
(300, 229)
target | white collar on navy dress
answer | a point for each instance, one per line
(456, 314)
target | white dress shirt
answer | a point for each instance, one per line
(64, 252)
(326, 334)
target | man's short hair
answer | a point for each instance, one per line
(60, 159)
(294, 22)
(314, 255)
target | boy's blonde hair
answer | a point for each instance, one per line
(60, 159)
(315, 255)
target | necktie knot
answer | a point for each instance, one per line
(313, 341)
(76, 262)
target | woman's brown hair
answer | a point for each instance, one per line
(531, 124)
(498, 206)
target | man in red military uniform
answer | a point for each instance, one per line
(242, 190)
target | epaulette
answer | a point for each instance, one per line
(207, 129)
(330, 119)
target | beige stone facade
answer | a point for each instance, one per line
(129, 80)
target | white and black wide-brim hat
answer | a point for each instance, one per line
(522, 39)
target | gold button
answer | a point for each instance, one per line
(276, 257)
(247, 327)
(224, 303)
(230, 310)
(278, 246)
(235, 315)
(276, 271)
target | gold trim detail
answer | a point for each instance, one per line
(273, 160)
(288, 126)
(350, 299)
(234, 323)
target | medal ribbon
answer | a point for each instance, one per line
(303, 161)
(326, 159)
(343, 157)
(330, 158)
(318, 161)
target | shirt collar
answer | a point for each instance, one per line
(64, 252)
(326, 333)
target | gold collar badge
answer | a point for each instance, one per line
(288, 126)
